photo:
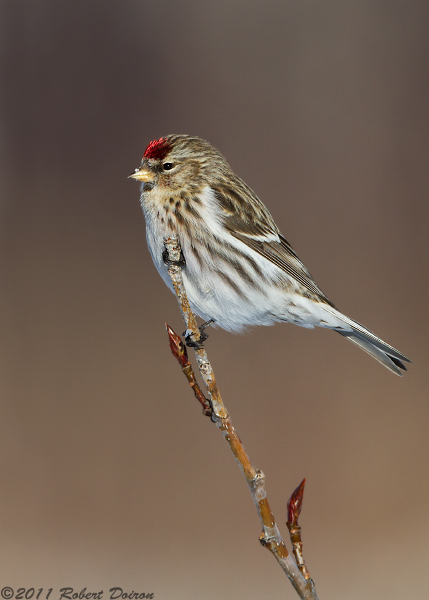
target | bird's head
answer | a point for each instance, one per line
(176, 162)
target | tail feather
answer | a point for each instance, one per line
(373, 345)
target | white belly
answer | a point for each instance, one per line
(216, 290)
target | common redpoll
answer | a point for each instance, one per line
(238, 269)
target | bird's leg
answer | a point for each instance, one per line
(203, 336)
(176, 263)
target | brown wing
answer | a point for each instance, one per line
(248, 220)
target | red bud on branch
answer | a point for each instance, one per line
(177, 347)
(295, 503)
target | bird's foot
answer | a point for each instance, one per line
(197, 344)
(173, 263)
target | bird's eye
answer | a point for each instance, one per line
(167, 166)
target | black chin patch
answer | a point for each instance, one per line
(147, 186)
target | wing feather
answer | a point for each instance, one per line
(248, 220)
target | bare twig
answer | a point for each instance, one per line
(178, 350)
(174, 253)
(270, 537)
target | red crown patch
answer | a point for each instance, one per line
(157, 149)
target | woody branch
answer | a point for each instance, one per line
(270, 537)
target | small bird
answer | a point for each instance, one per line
(238, 270)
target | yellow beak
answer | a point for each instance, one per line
(142, 174)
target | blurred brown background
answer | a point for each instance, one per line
(110, 476)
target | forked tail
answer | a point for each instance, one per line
(387, 355)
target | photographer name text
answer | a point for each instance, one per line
(68, 593)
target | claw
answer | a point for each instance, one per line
(197, 345)
(173, 263)
(188, 335)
